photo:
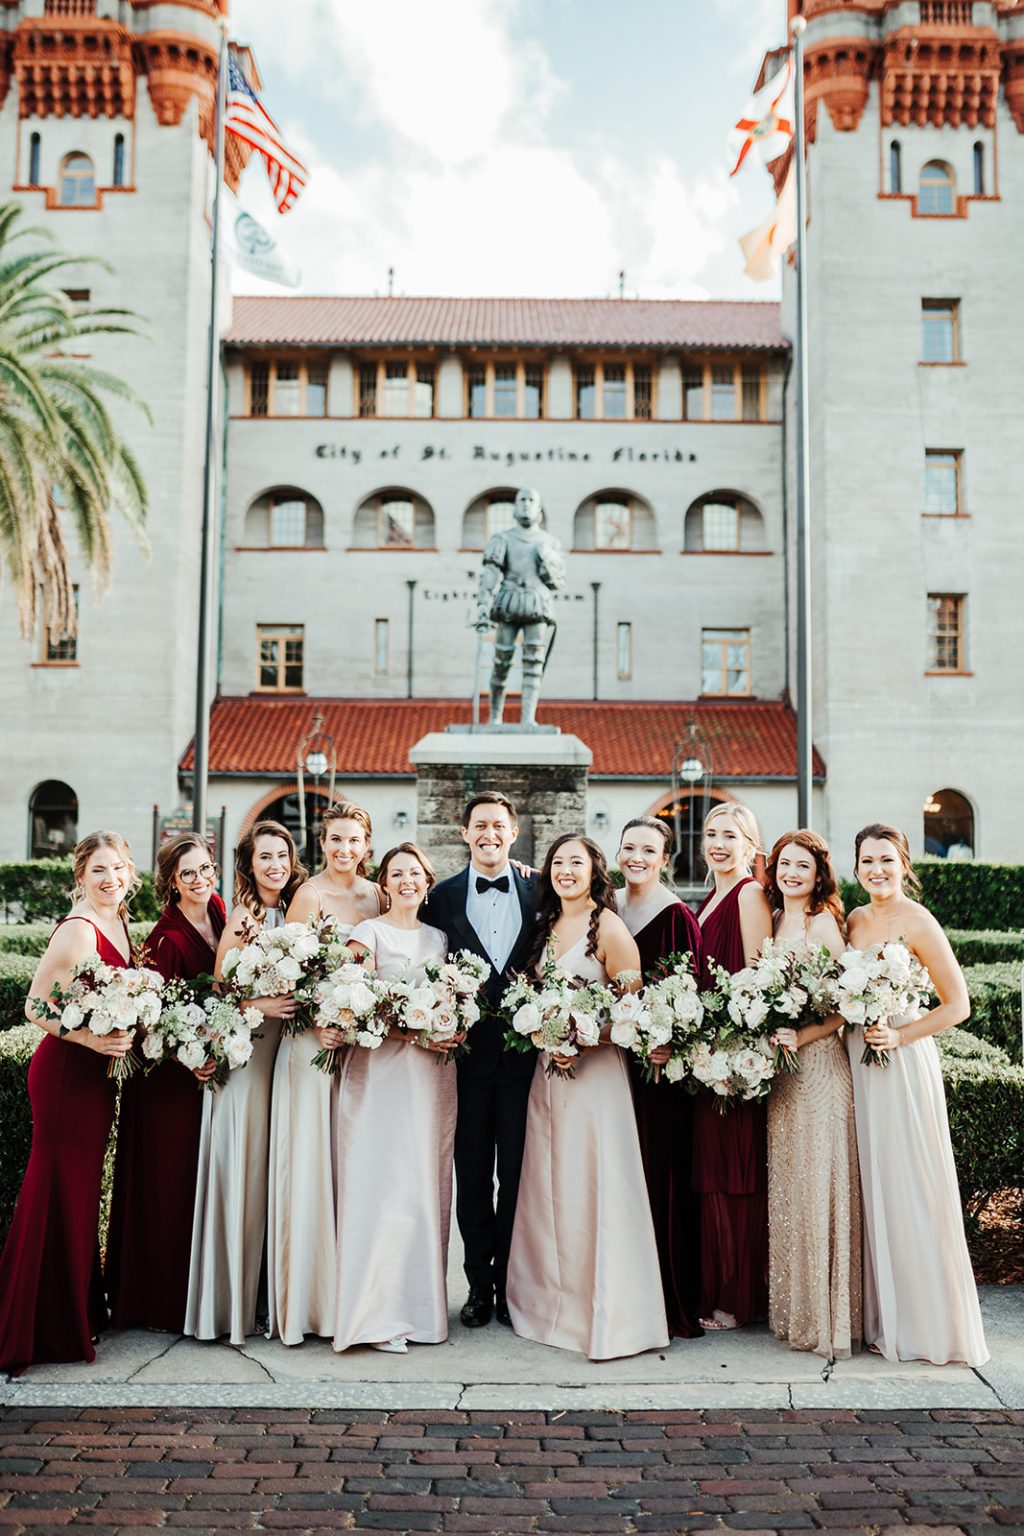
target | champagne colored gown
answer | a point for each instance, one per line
(814, 1210)
(395, 1137)
(920, 1299)
(302, 1211)
(583, 1271)
(230, 1224)
(51, 1290)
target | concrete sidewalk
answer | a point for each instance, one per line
(490, 1368)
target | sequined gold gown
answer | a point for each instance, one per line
(814, 1206)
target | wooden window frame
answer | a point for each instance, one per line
(381, 502)
(58, 662)
(305, 365)
(722, 549)
(957, 455)
(380, 366)
(630, 364)
(62, 173)
(624, 631)
(626, 503)
(938, 307)
(284, 633)
(937, 634)
(523, 363)
(743, 367)
(950, 183)
(723, 692)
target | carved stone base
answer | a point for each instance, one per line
(545, 776)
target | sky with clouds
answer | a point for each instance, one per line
(528, 147)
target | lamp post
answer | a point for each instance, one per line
(314, 760)
(692, 764)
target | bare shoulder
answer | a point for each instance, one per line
(239, 920)
(856, 920)
(610, 927)
(823, 929)
(752, 897)
(368, 893)
(73, 941)
(305, 903)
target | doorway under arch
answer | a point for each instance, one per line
(52, 820)
(948, 825)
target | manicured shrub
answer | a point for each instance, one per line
(986, 946)
(995, 1005)
(16, 1047)
(985, 1099)
(32, 938)
(16, 972)
(39, 890)
(973, 895)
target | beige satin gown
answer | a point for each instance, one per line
(583, 1269)
(301, 1215)
(920, 1299)
(230, 1223)
(395, 1144)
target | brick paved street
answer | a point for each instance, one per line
(300, 1470)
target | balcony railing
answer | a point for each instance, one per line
(947, 13)
(70, 8)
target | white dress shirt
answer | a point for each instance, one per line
(495, 915)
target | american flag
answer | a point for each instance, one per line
(248, 121)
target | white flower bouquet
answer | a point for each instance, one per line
(556, 1014)
(292, 959)
(196, 1027)
(103, 998)
(879, 984)
(443, 1007)
(783, 989)
(732, 1057)
(349, 1000)
(668, 1012)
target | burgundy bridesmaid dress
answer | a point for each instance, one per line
(730, 1162)
(154, 1197)
(664, 1122)
(51, 1290)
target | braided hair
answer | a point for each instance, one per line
(549, 903)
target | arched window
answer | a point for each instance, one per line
(979, 170)
(77, 181)
(615, 520)
(488, 515)
(284, 518)
(118, 179)
(895, 167)
(395, 518)
(35, 145)
(723, 522)
(937, 189)
(948, 825)
(53, 820)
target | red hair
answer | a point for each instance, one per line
(825, 895)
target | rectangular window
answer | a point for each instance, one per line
(259, 389)
(612, 525)
(533, 391)
(643, 394)
(720, 525)
(280, 657)
(287, 390)
(368, 389)
(751, 381)
(316, 390)
(624, 651)
(395, 393)
(725, 662)
(613, 404)
(945, 632)
(61, 652)
(396, 527)
(586, 394)
(476, 389)
(381, 646)
(287, 524)
(940, 341)
(499, 517)
(506, 389)
(723, 393)
(287, 387)
(423, 390)
(942, 488)
(693, 394)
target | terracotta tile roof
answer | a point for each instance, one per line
(505, 322)
(257, 737)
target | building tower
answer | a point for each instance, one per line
(106, 121)
(915, 123)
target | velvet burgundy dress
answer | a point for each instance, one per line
(51, 1289)
(664, 1121)
(730, 1162)
(157, 1155)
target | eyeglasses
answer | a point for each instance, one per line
(190, 876)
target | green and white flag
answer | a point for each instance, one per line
(247, 244)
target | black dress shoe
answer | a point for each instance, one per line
(502, 1313)
(477, 1311)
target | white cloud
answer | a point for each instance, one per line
(468, 192)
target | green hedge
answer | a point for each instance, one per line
(16, 1047)
(38, 890)
(995, 1005)
(32, 938)
(972, 897)
(16, 972)
(986, 946)
(985, 1098)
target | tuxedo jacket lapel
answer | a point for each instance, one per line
(457, 921)
(525, 891)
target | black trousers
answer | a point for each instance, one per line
(489, 1135)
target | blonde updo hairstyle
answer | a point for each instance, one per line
(347, 810)
(745, 819)
(167, 861)
(84, 851)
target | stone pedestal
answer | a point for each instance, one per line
(544, 775)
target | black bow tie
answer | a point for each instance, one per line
(483, 884)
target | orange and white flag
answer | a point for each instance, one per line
(764, 246)
(769, 119)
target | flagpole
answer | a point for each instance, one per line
(201, 750)
(804, 741)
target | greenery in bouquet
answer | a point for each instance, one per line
(731, 1057)
(442, 1009)
(289, 960)
(785, 988)
(197, 1026)
(352, 1001)
(103, 998)
(556, 1014)
(878, 985)
(668, 1012)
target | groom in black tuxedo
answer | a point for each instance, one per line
(488, 908)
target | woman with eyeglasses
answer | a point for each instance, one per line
(161, 1113)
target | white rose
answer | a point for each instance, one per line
(853, 1010)
(368, 1039)
(72, 1017)
(565, 1049)
(237, 1049)
(588, 1028)
(526, 1020)
(149, 1008)
(470, 1012)
(719, 1066)
(362, 999)
(102, 1022)
(624, 1033)
(153, 1047)
(289, 968)
(674, 1069)
(756, 1013)
(306, 947)
(191, 1054)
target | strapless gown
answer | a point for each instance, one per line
(302, 1209)
(395, 1139)
(920, 1299)
(583, 1271)
(230, 1224)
